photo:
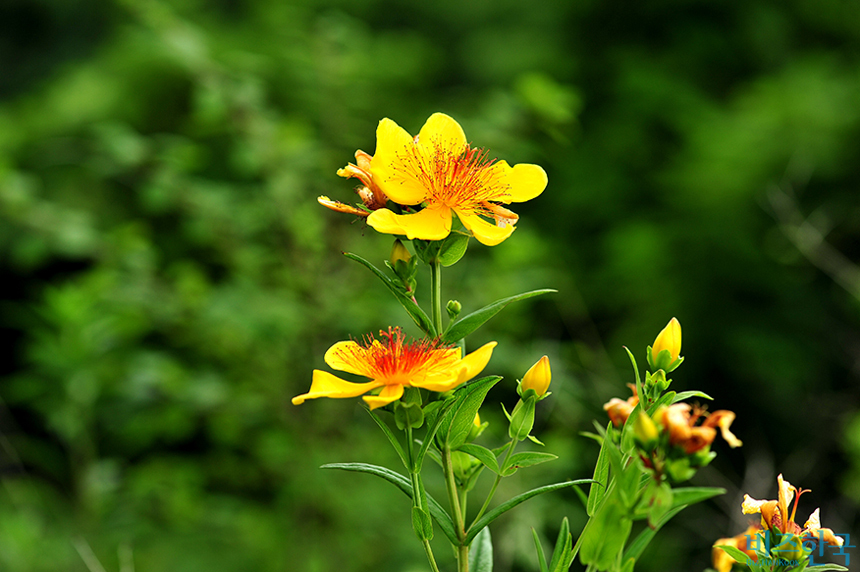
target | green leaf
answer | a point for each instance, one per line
(641, 541)
(539, 549)
(467, 324)
(458, 421)
(452, 248)
(519, 499)
(688, 394)
(824, 567)
(692, 495)
(481, 553)
(563, 545)
(436, 511)
(583, 498)
(605, 538)
(482, 454)
(388, 433)
(437, 414)
(601, 477)
(666, 399)
(413, 309)
(636, 371)
(735, 553)
(421, 524)
(526, 459)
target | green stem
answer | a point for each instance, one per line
(436, 295)
(451, 486)
(418, 494)
(496, 482)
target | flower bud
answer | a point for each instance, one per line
(537, 378)
(399, 252)
(476, 429)
(669, 339)
(454, 308)
(645, 430)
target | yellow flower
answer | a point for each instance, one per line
(537, 377)
(440, 170)
(680, 420)
(668, 339)
(392, 363)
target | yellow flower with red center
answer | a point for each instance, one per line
(392, 363)
(441, 171)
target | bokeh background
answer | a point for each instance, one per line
(169, 281)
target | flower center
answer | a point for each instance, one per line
(462, 181)
(394, 361)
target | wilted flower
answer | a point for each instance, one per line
(392, 364)
(680, 420)
(619, 410)
(440, 170)
(775, 515)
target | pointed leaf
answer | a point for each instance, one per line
(434, 508)
(438, 415)
(414, 310)
(388, 433)
(526, 459)
(824, 567)
(460, 418)
(688, 394)
(482, 454)
(468, 324)
(562, 544)
(601, 478)
(692, 495)
(735, 553)
(634, 550)
(481, 553)
(539, 549)
(603, 542)
(519, 499)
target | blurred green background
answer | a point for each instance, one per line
(169, 281)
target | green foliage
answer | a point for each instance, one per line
(169, 280)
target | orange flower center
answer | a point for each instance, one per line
(463, 182)
(394, 361)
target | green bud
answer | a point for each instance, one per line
(454, 308)
(523, 418)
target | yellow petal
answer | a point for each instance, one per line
(723, 419)
(525, 182)
(814, 521)
(439, 382)
(475, 362)
(427, 224)
(442, 132)
(325, 384)
(538, 377)
(751, 505)
(388, 394)
(486, 233)
(392, 165)
(668, 339)
(348, 357)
